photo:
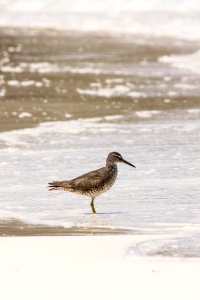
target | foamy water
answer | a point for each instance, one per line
(190, 62)
(154, 17)
(160, 196)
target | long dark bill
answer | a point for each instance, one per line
(128, 163)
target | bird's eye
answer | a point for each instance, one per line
(118, 156)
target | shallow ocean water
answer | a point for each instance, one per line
(160, 196)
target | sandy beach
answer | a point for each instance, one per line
(91, 267)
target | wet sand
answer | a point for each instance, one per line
(18, 228)
(42, 74)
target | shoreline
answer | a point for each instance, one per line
(12, 227)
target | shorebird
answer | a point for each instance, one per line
(94, 183)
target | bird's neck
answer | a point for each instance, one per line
(111, 164)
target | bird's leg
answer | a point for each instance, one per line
(92, 206)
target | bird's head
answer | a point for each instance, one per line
(116, 158)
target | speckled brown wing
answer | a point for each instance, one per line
(89, 181)
(90, 184)
(82, 184)
(94, 183)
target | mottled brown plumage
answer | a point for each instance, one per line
(94, 183)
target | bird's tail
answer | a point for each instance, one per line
(58, 185)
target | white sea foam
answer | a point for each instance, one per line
(169, 247)
(147, 113)
(116, 91)
(26, 83)
(29, 83)
(13, 82)
(88, 6)
(40, 136)
(172, 93)
(2, 92)
(184, 86)
(189, 62)
(114, 80)
(24, 114)
(153, 17)
(135, 94)
(46, 67)
(113, 118)
(106, 92)
(193, 111)
(167, 100)
(12, 49)
(67, 115)
(28, 137)
(11, 69)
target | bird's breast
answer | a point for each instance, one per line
(112, 175)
